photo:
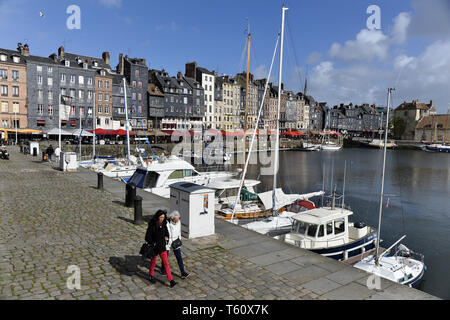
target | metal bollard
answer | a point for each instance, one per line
(100, 181)
(130, 195)
(138, 219)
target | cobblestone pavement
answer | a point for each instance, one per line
(50, 220)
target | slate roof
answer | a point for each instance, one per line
(9, 56)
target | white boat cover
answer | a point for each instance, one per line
(284, 199)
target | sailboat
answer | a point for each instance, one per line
(404, 267)
(249, 205)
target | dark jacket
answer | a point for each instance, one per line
(155, 236)
(50, 151)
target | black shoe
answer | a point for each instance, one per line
(184, 275)
(152, 280)
(163, 271)
(173, 283)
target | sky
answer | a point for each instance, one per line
(326, 40)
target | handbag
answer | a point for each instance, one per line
(176, 244)
(147, 251)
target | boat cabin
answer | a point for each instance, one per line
(321, 227)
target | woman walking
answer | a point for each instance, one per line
(174, 227)
(158, 235)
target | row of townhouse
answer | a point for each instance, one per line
(34, 88)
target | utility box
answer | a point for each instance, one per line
(34, 148)
(68, 161)
(196, 206)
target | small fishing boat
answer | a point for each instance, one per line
(379, 144)
(330, 146)
(328, 232)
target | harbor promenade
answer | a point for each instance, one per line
(50, 220)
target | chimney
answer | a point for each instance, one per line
(106, 57)
(61, 52)
(26, 50)
(431, 103)
(179, 75)
(120, 65)
(20, 48)
(54, 57)
(282, 86)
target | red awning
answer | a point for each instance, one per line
(41, 122)
(121, 132)
(103, 132)
(294, 133)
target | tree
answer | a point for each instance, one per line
(397, 127)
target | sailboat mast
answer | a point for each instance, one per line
(277, 141)
(249, 39)
(126, 118)
(94, 127)
(377, 257)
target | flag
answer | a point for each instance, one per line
(387, 203)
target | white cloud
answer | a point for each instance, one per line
(111, 3)
(261, 72)
(401, 25)
(369, 45)
(314, 57)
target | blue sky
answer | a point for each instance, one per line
(324, 39)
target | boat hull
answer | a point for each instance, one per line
(354, 248)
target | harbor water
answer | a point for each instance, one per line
(417, 196)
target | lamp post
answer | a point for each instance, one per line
(15, 124)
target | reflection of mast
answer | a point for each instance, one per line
(249, 39)
(446, 127)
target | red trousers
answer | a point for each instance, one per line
(165, 262)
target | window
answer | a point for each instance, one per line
(140, 109)
(100, 97)
(81, 94)
(16, 108)
(100, 84)
(122, 101)
(106, 121)
(16, 59)
(39, 68)
(81, 111)
(3, 74)
(106, 109)
(50, 110)
(4, 106)
(15, 91)
(81, 80)
(50, 95)
(39, 79)
(40, 110)
(106, 84)
(134, 96)
(140, 84)
(15, 75)
(100, 109)
(185, 100)
(5, 124)
(140, 96)
(177, 174)
(102, 73)
(99, 121)
(4, 90)
(2, 57)
(72, 79)
(50, 82)
(137, 73)
(90, 94)
(72, 111)
(339, 226)
(321, 232)
(63, 91)
(89, 81)
(72, 93)
(106, 97)
(134, 84)
(49, 69)
(63, 77)
(312, 230)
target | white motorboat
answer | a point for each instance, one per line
(328, 232)
(378, 143)
(227, 190)
(158, 175)
(330, 146)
